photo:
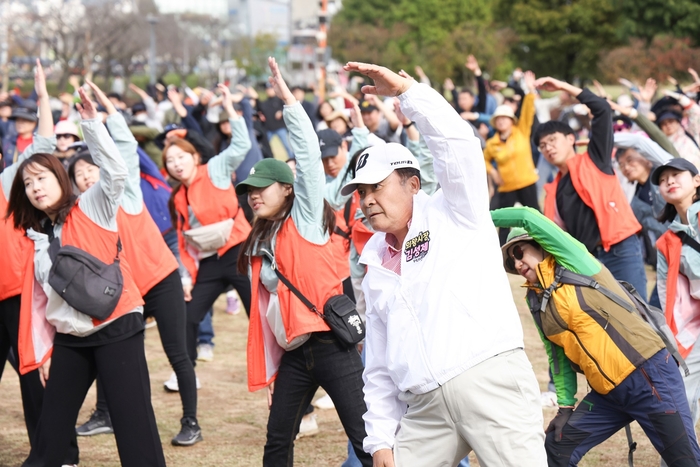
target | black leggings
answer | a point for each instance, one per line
(214, 277)
(166, 303)
(527, 196)
(122, 368)
(29, 384)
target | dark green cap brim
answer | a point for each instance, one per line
(255, 182)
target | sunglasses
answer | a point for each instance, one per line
(64, 136)
(515, 253)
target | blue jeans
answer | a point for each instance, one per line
(206, 330)
(625, 262)
(284, 137)
(653, 395)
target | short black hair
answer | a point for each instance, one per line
(551, 127)
(115, 95)
(466, 91)
(406, 173)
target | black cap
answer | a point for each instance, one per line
(330, 141)
(677, 163)
(24, 114)
(138, 107)
(366, 106)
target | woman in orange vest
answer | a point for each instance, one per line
(206, 201)
(13, 261)
(155, 272)
(287, 343)
(70, 348)
(678, 265)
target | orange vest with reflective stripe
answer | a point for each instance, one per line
(148, 255)
(600, 192)
(15, 249)
(81, 232)
(311, 269)
(210, 204)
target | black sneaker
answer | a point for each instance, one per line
(190, 433)
(98, 423)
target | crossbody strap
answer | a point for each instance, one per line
(289, 285)
(688, 240)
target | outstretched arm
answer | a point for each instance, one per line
(567, 251)
(458, 160)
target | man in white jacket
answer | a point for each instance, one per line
(445, 371)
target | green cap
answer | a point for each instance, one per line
(517, 234)
(265, 173)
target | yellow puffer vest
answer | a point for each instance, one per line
(604, 340)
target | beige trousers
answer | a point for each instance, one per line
(492, 408)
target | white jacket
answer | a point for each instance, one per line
(452, 307)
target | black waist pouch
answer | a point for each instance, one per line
(84, 282)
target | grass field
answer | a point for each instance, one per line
(233, 420)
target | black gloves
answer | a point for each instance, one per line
(558, 422)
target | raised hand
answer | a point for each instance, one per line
(40, 81)
(647, 93)
(601, 89)
(473, 65)
(278, 84)
(694, 74)
(386, 82)
(627, 111)
(356, 116)
(673, 81)
(530, 81)
(549, 84)
(85, 107)
(397, 110)
(448, 85)
(498, 85)
(227, 101)
(102, 98)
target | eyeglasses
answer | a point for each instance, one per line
(64, 136)
(546, 144)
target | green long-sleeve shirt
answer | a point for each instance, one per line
(571, 254)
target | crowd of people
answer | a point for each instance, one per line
(388, 213)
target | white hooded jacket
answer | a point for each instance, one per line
(451, 308)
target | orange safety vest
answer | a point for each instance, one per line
(311, 269)
(342, 235)
(603, 194)
(16, 247)
(210, 204)
(670, 245)
(81, 232)
(147, 253)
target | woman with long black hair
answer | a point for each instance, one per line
(154, 268)
(73, 344)
(287, 343)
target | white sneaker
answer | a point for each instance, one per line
(172, 386)
(205, 353)
(548, 399)
(324, 403)
(308, 426)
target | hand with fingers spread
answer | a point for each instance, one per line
(102, 98)
(278, 84)
(137, 90)
(550, 84)
(386, 82)
(646, 93)
(85, 107)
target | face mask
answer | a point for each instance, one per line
(141, 118)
